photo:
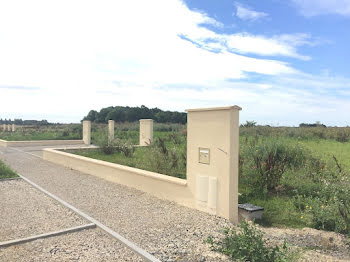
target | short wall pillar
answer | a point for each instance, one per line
(4, 127)
(111, 124)
(13, 128)
(146, 132)
(212, 159)
(9, 128)
(87, 132)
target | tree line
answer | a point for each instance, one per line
(24, 122)
(131, 114)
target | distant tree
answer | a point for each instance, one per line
(92, 115)
(317, 124)
(249, 124)
(131, 114)
(102, 115)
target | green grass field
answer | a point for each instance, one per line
(6, 172)
(51, 132)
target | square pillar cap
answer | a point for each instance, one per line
(146, 120)
(214, 108)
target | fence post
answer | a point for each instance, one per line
(111, 130)
(87, 132)
(9, 128)
(13, 127)
(212, 159)
(146, 132)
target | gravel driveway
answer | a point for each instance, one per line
(25, 211)
(88, 245)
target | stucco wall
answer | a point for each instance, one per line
(158, 185)
(5, 143)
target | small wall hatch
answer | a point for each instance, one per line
(204, 155)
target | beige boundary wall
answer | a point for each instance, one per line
(4, 143)
(212, 165)
(161, 186)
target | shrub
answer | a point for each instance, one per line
(104, 143)
(263, 163)
(124, 147)
(6, 172)
(331, 210)
(248, 245)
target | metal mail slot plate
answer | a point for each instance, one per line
(204, 155)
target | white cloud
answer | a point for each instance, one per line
(248, 14)
(321, 7)
(82, 55)
(245, 43)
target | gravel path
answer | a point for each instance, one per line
(318, 245)
(164, 229)
(25, 211)
(87, 245)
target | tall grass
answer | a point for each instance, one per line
(50, 132)
(6, 172)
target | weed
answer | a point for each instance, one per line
(248, 245)
(6, 172)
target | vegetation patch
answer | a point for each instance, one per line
(298, 183)
(247, 244)
(49, 132)
(6, 172)
(166, 156)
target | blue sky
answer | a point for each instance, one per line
(283, 61)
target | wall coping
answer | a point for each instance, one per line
(39, 141)
(146, 120)
(214, 108)
(153, 175)
(23, 143)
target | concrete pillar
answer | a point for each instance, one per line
(4, 127)
(212, 159)
(9, 128)
(146, 132)
(111, 129)
(13, 127)
(87, 132)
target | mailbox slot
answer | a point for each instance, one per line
(204, 155)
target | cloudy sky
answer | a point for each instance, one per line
(283, 61)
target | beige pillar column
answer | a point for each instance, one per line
(212, 159)
(9, 128)
(87, 132)
(4, 127)
(13, 127)
(111, 124)
(146, 132)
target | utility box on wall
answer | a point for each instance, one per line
(212, 159)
